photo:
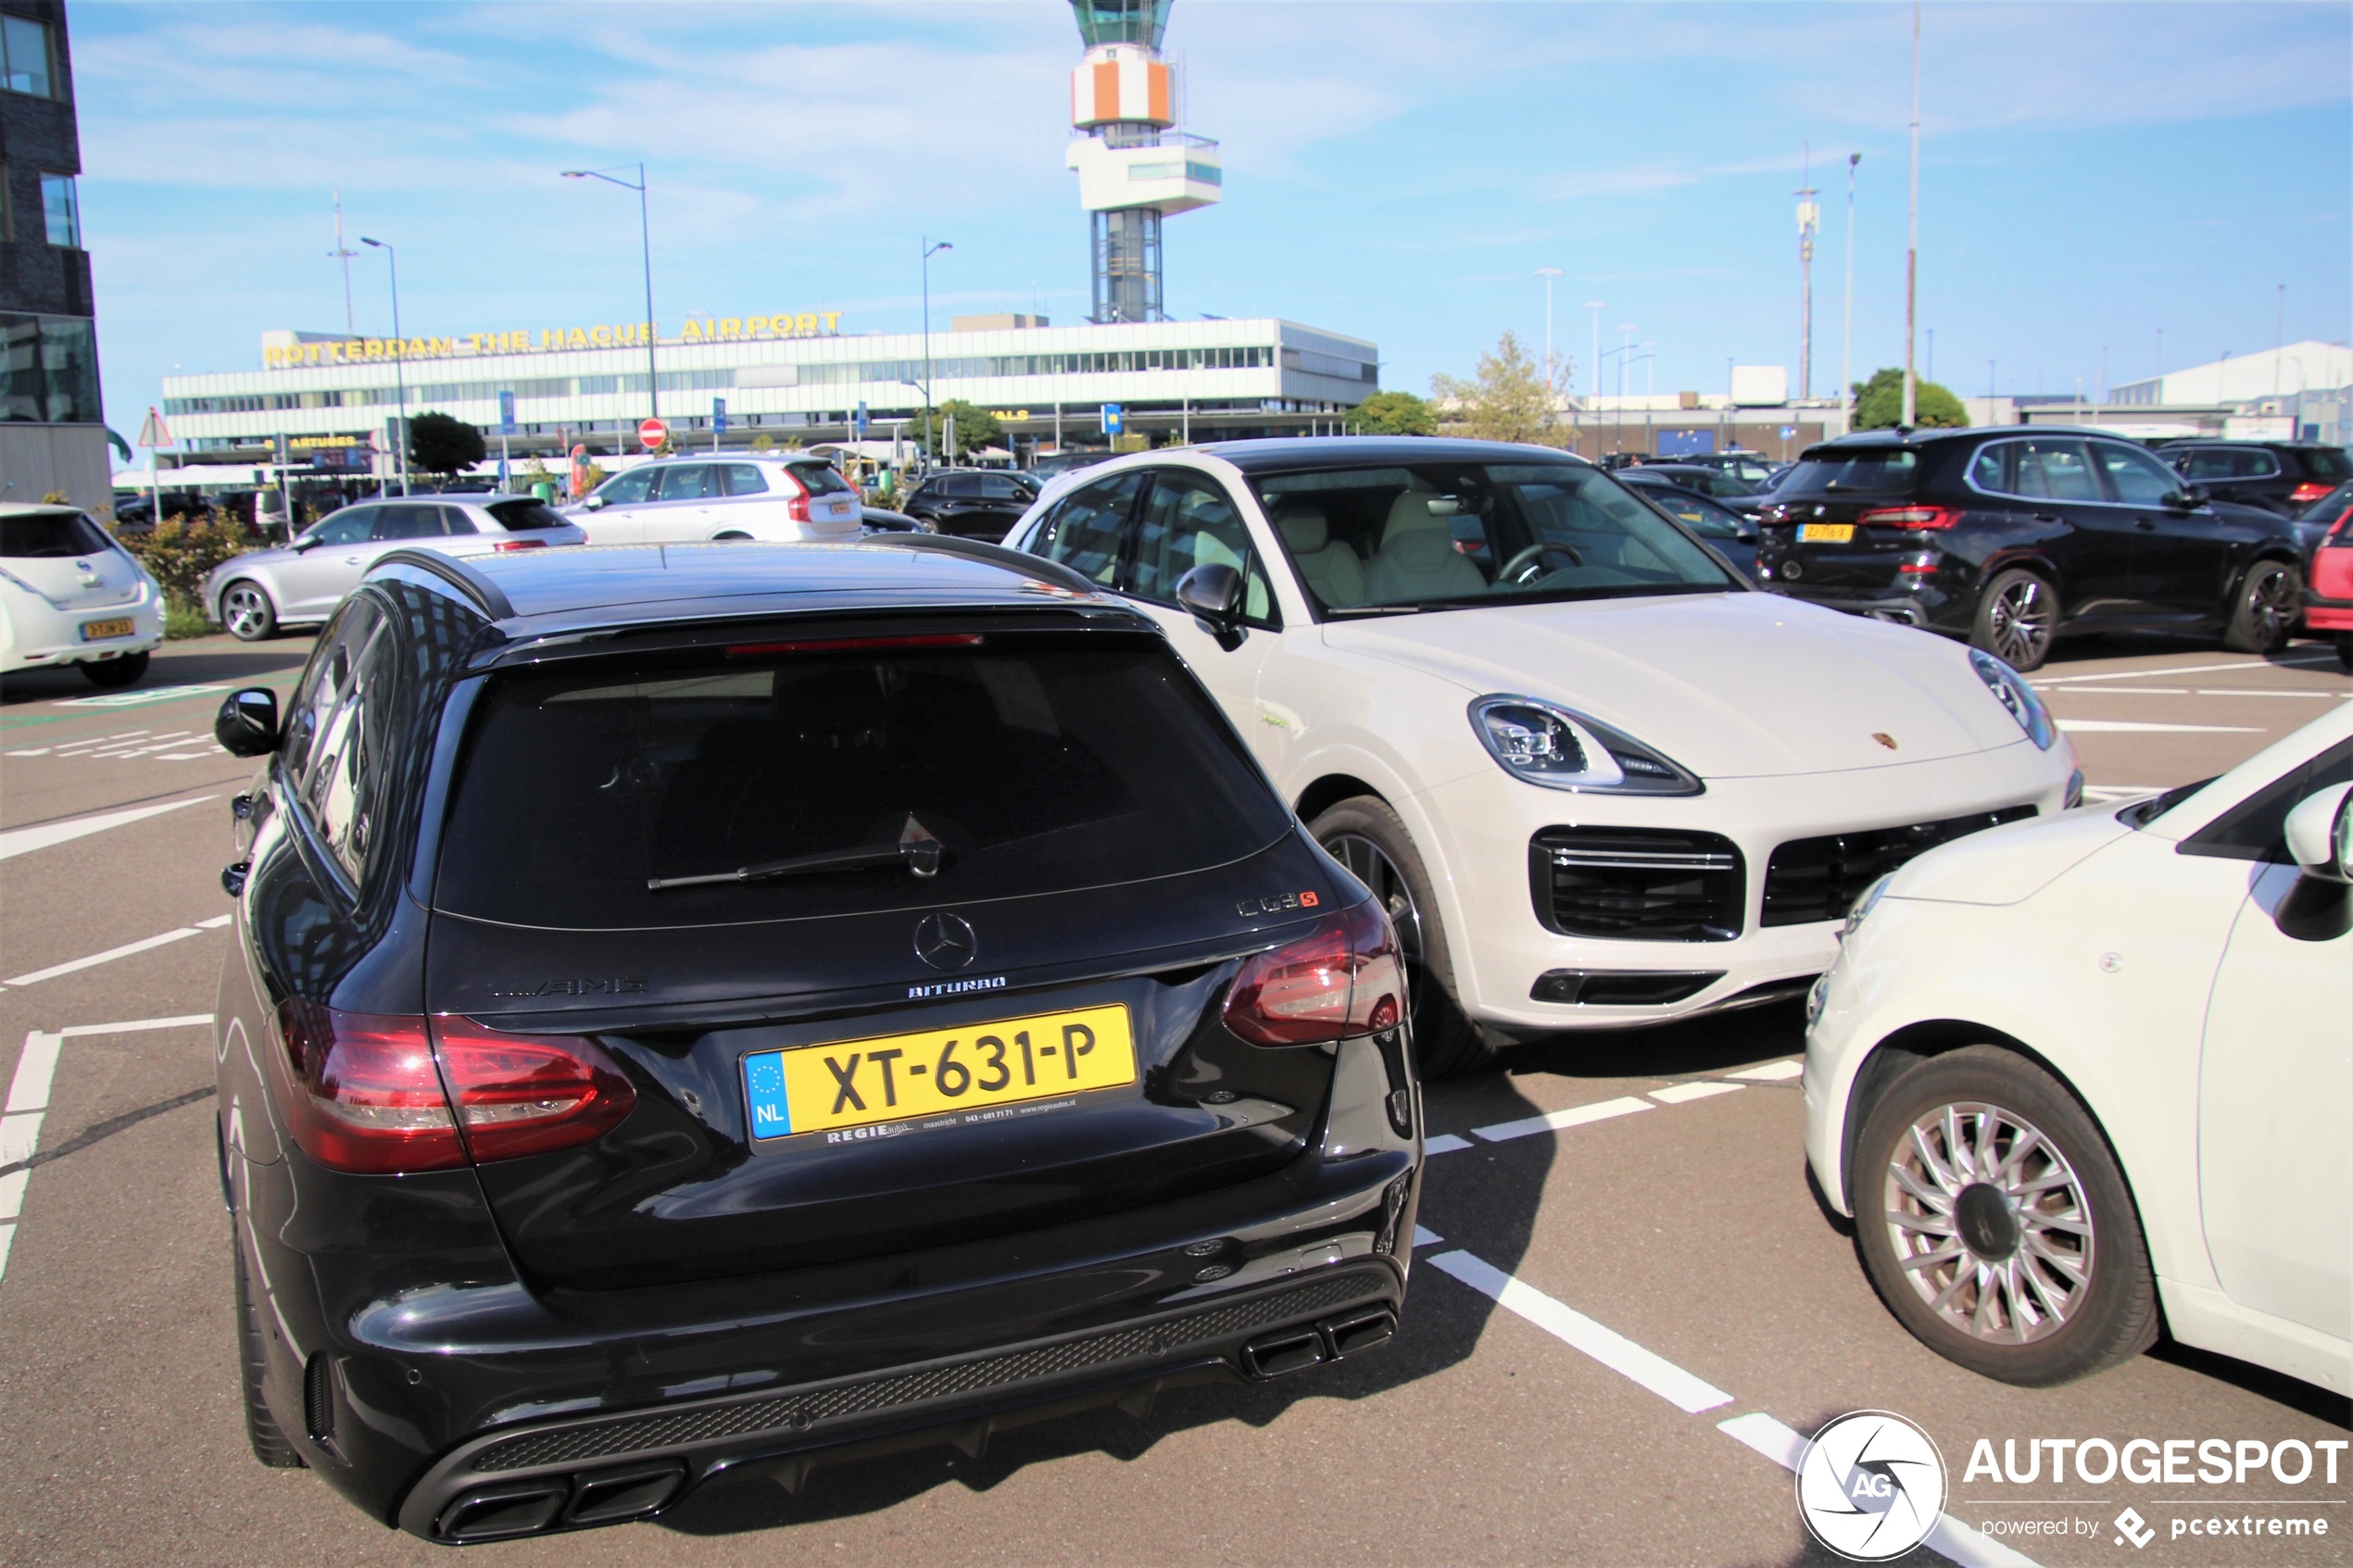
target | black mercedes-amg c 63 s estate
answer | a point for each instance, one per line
(724, 1009)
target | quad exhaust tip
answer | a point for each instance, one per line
(529, 1508)
(1295, 1349)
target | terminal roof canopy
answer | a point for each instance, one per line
(1122, 21)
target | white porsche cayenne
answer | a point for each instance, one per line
(2131, 1097)
(1597, 778)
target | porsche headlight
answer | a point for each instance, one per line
(1560, 749)
(2010, 688)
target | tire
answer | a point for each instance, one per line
(731, 534)
(2344, 652)
(2016, 619)
(121, 671)
(1364, 836)
(2263, 616)
(1972, 1314)
(246, 610)
(269, 1444)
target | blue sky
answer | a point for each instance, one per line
(2089, 173)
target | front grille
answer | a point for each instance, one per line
(1819, 879)
(800, 1411)
(1641, 884)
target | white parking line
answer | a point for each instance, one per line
(22, 841)
(1614, 1351)
(2143, 727)
(127, 950)
(2190, 669)
(2259, 691)
(1443, 1143)
(1556, 1121)
(1676, 1094)
(1770, 1073)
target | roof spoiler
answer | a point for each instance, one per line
(1036, 567)
(487, 597)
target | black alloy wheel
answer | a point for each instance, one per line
(2270, 600)
(1364, 836)
(2017, 617)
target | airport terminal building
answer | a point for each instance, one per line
(796, 377)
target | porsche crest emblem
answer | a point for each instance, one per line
(1884, 739)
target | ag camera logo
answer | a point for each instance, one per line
(1870, 1486)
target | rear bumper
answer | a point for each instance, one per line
(1925, 606)
(570, 1474)
(2326, 614)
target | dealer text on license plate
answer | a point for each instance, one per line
(953, 1074)
(92, 631)
(1825, 533)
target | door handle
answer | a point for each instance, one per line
(2046, 517)
(2146, 524)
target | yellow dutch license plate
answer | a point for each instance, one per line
(93, 631)
(941, 1076)
(1825, 533)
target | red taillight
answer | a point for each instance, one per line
(1914, 517)
(526, 1094)
(504, 545)
(1340, 980)
(365, 1097)
(798, 508)
(2308, 492)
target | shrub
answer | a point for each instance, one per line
(181, 553)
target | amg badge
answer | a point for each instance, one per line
(617, 986)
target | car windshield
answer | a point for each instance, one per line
(49, 533)
(1444, 535)
(1830, 470)
(819, 479)
(521, 516)
(1041, 762)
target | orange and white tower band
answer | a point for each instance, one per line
(1133, 167)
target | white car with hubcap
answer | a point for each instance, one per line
(1597, 779)
(72, 595)
(2074, 1074)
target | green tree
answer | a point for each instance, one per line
(180, 552)
(1393, 413)
(1511, 399)
(441, 443)
(1879, 404)
(976, 428)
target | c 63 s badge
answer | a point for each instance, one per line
(1275, 903)
(619, 985)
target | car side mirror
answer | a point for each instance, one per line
(592, 503)
(308, 542)
(248, 723)
(2189, 497)
(1213, 594)
(2320, 834)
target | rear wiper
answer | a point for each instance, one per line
(916, 849)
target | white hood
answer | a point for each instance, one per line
(1731, 685)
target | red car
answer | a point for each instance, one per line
(2328, 575)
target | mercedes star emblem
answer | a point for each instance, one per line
(945, 941)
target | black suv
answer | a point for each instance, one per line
(2280, 476)
(2011, 539)
(972, 503)
(725, 1008)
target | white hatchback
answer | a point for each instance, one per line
(740, 495)
(71, 594)
(1597, 779)
(2074, 1072)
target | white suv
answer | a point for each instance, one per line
(739, 495)
(1597, 779)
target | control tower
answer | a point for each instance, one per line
(1133, 168)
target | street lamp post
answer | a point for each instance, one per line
(1847, 338)
(1548, 274)
(646, 246)
(399, 380)
(929, 250)
(1912, 237)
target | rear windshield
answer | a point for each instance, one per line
(52, 534)
(519, 516)
(1040, 761)
(2327, 462)
(819, 479)
(1874, 473)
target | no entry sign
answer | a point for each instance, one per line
(652, 433)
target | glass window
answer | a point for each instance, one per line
(2055, 469)
(686, 481)
(2135, 477)
(2322, 463)
(351, 527)
(960, 487)
(455, 521)
(1040, 761)
(2253, 462)
(1990, 470)
(48, 370)
(2207, 463)
(2256, 829)
(325, 681)
(1188, 522)
(744, 479)
(1866, 470)
(1002, 487)
(1700, 515)
(349, 747)
(61, 210)
(627, 489)
(24, 56)
(35, 534)
(523, 515)
(819, 479)
(407, 519)
(1083, 530)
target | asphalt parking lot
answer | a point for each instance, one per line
(1627, 1305)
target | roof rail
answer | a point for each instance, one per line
(1037, 566)
(487, 595)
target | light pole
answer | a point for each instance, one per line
(1593, 365)
(929, 250)
(2279, 340)
(1810, 221)
(1846, 339)
(400, 380)
(1548, 274)
(1912, 237)
(646, 246)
